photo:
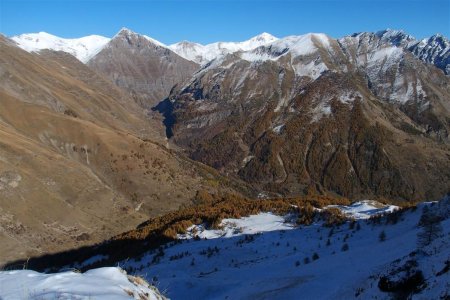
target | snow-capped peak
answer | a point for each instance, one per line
(82, 48)
(437, 39)
(434, 50)
(264, 37)
(391, 32)
(125, 32)
(297, 45)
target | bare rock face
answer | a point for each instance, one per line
(142, 66)
(356, 116)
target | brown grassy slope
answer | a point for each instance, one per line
(74, 165)
(60, 82)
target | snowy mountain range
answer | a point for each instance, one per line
(203, 53)
(434, 50)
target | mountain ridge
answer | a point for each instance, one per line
(203, 53)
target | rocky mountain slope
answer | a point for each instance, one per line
(142, 66)
(79, 159)
(355, 116)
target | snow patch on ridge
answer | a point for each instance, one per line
(365, 209)
(278, 129)
(313, 69)
(262, 222)
(403, 93)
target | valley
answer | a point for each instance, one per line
(268, 168)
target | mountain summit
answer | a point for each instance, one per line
(125, 32)
(142, 65)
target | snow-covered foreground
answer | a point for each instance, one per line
(307, 262)
(104, 283)
(266, 256)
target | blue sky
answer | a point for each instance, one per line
(226, 20)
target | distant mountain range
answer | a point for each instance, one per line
(434, 50)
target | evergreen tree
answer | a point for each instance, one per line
(431, 228)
